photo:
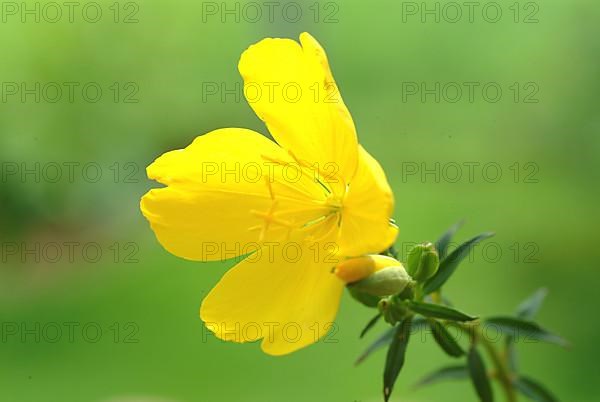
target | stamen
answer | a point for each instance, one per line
(323, 210)
(327, 233)
(269, 187)
(290, 186)
(298, 161)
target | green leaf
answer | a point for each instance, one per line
(370, 325)
(444, 241)
(449, 264)
(380, 342)
(479, 376)
(386, 338)
(534, 390)
(445, 339)
(530, 306)
(438, 311)
(418, 323)
(516, 328)
(445, 373)
(395, 356)
(526, 310)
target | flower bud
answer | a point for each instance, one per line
(363, 298)
(372, 276)
(423, 261)
(354, 269)
(387, 281)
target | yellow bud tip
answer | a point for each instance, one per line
(358, 268)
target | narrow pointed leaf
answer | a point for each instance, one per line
(449, 264)
(445, 339)
(438, 311)
(445, 373)
(444, 241)
(447, 301)
(526, 310)
(386, 338)
(418, 323)
(526, 331)
(370, 325)
(383, 340)
(395, 356)
(479, 376)
(530, 306)
(534, 390)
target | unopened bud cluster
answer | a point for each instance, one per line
(383, 282)
(371, 277)
(423, 262)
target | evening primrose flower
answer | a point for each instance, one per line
(234, 192)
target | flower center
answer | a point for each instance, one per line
(335, 202)
(308, 205)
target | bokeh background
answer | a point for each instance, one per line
(153, 59)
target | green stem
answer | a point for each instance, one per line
(502, 373)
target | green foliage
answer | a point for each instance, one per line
(444, 241)
(438, 311)
(534, 390)
(479, 376)
(395, 356)
(445, 339)
(530, 306)
(526, 310)
(385, 339)
(424, 306)
(530, 331)
(370, 325)
(443, 374)
(449, 264)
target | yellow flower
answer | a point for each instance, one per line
(295, 207)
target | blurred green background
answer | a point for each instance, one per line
(145, 301)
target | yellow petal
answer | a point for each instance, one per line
(221, 191)
(286, 295)
(368, 207)
(290, 87)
